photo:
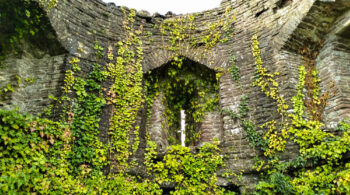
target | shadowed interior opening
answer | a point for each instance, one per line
(188, 88)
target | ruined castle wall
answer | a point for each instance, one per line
(283, 27)
(266, 18)
(333, 65)
(46, 78)
(34, 70)
(157, 123)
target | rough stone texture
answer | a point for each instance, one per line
(157, 123)
(334, 66)
(211, 127)
(283, 26)
(40, 59)
(47, 73)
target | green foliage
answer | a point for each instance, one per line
(254, 137)
(192, 173)
(31, 156)
(87, 150)
(243, 106)
(148, 35)
(26, 22)
(185, 86)
(125, 93)
(46, 3)
(34, 156)
(6, 91)
(298, 102)
(276, 131)
(178, 32)
(98, 50)
(74, 62)
(266, 81)
(292, 164)
(329, 174)
(277, 184)
(68, 157)
(11, 87)
(18, 20)
(29, 81)
(232, 114)
(322, 147)
(68, 81)
(234, 70)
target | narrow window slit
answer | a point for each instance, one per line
(183, 127)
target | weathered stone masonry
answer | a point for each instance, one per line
(283, 27)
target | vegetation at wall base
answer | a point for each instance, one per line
(68, 156)
(320, 167)
(39, 155)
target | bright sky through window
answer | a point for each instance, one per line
(163, 6)
(183, 127)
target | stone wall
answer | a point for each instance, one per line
(47, 74)
(283, 27)
(334, 66)
(157, 123)
(35, 71)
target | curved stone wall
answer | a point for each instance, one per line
(283, 26)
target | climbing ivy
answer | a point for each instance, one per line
(34, 158)
(276, 131)
(11, 87)
(68, 156)
(185, 87)
(254, 137)
(323, 149)
(192, 173)
(196, 96)
(178, 32)
(38, 155)
(234, 70)
(125, 94)
(6, 91)
(27, 20)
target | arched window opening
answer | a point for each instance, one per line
(180, 95)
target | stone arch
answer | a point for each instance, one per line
(163, 130)
(159, 57)
(314, 31)
(35, 69)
